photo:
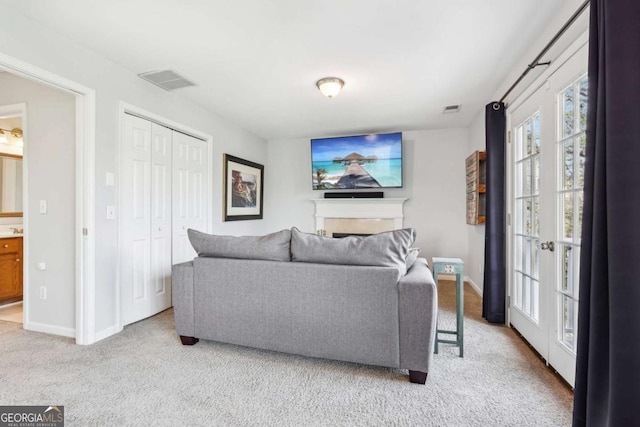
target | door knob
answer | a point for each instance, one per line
(548, 246)
(18, 260)
(5, 246)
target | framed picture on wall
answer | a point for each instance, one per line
(243, 189)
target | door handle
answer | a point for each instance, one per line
(548, 246)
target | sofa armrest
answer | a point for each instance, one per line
(418, 310)
(183, 303)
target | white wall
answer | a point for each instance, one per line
(434, 183)
(475, 234)
(28, 41)
(50, 162)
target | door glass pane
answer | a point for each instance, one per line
(518, 185)
(518, 254)
(518, 216)
(567, 170)
(567, 109)
(529, 136)
(536, 258)
(527, 217)
(582, 117)
(535, 299)
(525, 254)
(518, 290)
(517, 137)
(578, 226)
(580, 165)
(567, 269)
(536, 216)
(568, 316)
(567, 209)
(526, 297)
(536, 133)
(536, 175)
(576, 272)
(527, 177)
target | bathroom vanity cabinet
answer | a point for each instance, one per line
(10, 269)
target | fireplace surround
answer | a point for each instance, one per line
(358, 216)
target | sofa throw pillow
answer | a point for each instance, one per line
(412, 256)
(273, 247)
(387, 249)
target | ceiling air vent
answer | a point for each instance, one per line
(166, 79)
(451, 109)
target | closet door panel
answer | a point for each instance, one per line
(189, 198)
(160, 289)
(135, 219)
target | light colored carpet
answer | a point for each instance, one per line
(145, 377)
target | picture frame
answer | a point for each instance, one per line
(243, 189)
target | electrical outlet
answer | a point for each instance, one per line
(43, 292)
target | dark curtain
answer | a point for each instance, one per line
(494, 291)
(608, 353)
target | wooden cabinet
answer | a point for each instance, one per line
(476, 167)
(10, 269)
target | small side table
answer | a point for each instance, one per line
(452, 266)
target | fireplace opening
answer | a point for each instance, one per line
(341, 235)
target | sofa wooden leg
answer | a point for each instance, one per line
(417, 377)
(188, 340)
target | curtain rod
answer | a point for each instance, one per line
(555, 38)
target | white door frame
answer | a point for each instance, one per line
(126, 108)
(85, 188)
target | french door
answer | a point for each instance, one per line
(546, 160)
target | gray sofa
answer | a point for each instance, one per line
(370, 314)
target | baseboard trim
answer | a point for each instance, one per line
(107, 332)
(473, 284)
(50, 329)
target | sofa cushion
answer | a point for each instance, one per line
(272, 247)
(412, 256)
(388, 249)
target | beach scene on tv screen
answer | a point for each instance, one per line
(350, 162)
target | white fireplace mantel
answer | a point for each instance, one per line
(369, 209)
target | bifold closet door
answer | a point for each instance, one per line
(145, 219)
(189, 197)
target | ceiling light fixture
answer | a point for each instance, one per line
(330, 86)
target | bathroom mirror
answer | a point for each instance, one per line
(10, 185)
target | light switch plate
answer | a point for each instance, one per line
(111, 212)
(110, 179)
(43, 206)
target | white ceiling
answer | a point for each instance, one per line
(256, 62)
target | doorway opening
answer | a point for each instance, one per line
(82, 292)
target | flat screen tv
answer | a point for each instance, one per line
(357, 162)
